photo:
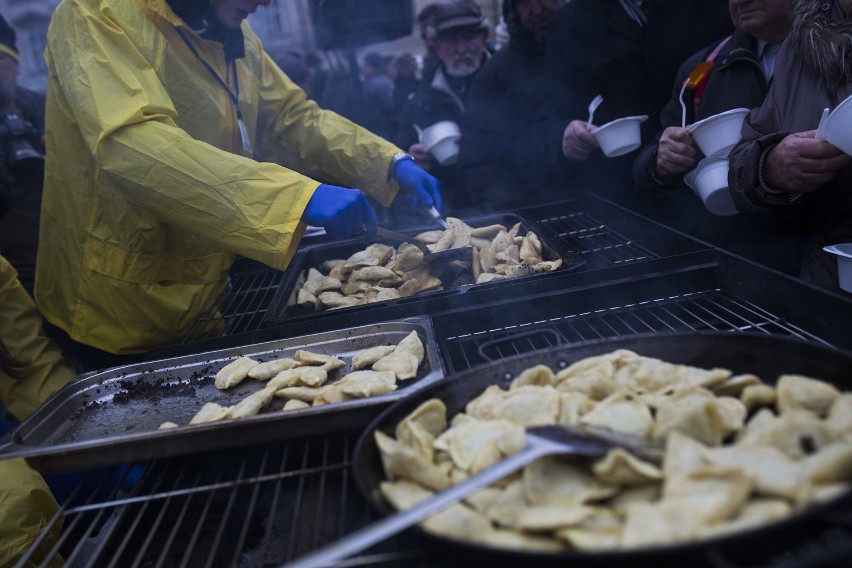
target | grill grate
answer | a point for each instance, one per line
(599, 244)
(712, 310)
(256, 507)
(241, 307)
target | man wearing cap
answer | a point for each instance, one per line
(460, 40)
(22, 125)
(176, 144)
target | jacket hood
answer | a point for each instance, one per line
(822, 38)
(519, 34)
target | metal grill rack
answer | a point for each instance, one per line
(599, 244)
(707, 310)
(604, 235)
(259, 506)
(242, 306)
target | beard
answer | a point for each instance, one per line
(462, 66)
(823, 43)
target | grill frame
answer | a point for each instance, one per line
(678, 267)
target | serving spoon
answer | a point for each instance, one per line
(541, 441)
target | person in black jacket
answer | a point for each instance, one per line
(460, 36)
(628, 51)
(21, 133)
(498, 105)
(743, 66)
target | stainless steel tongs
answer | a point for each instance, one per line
(429, 257)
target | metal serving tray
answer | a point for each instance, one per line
(284, 307)
(112, 416)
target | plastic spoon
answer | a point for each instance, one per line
(692, 81)
(820, 133)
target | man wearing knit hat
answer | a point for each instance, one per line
(22, 123)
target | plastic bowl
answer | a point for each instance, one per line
(710, 183)
(718, 131)
(440, 141)
(620, 136)
(844, 264)
(837, 130)
(446, 151)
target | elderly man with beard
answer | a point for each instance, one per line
(743, 67)
(498, 106)
(779, 166)
(460, 35)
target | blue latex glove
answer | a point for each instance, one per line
(417, 186)
(342, 212)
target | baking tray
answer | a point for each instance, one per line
(284, 307)
(112, 416)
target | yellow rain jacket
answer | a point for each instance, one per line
(148, 192)
(31, 369)
(31, 365)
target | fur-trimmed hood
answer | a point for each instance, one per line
(822, 38)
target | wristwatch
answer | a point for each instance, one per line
(397, 158)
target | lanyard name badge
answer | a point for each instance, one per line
(235, 95)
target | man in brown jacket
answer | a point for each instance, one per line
(779, 165)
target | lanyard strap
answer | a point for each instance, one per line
(235, 95)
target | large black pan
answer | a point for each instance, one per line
(765, 355)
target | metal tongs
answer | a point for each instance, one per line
(541, 441)
(437, 217)
(429, 257)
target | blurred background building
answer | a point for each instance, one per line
(284, 26)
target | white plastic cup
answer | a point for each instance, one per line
(837, 129)
(718, 132)
(710, 183)
(440, 141)
(844, 264)
(620, 136)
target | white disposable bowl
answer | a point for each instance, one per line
(837, 126)
(710, 183)
(718, 131)
(620, 136)
(446, 151)
(844, 264)
(440, 141)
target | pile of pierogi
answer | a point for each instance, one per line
(739, 452)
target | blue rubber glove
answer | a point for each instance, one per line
(342, 212)
(417, 186)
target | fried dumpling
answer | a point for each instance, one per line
(211, 412)
(367, 357)
(268, 369)
(402, 364)
(234, 372)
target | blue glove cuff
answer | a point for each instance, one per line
(395, 160)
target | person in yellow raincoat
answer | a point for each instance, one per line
(31, 369)
(174, 143)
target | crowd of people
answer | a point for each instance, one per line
(169, 143)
